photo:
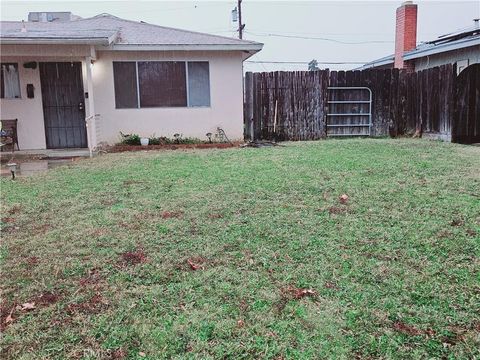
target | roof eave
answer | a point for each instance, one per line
(441, 48)
(54, 41)
(374, 64)
(186, 47)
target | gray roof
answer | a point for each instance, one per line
(446, 43)
(106, 29)
(390, 59)
(457, 40)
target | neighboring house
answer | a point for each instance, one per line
(120, 75)
(461, 48)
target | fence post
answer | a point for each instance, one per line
(248, 115)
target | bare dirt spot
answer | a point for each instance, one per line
(118, 354)
(336, 210)
(14, 210)
(32, 260)
(172, 214)
(10, 312)
(457, 222)
(133, 257)
(215, 216)
(298, 293)
(91, 306)
(471, 232)
(293, 293)
(47, 298)
(444, 234)
(411, 330)
(93, 278)
(42, 229)
(130, 225)
(108, 202)
(331, 285)
(8, 220)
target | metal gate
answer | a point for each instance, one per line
(349, 111)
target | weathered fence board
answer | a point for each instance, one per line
(294, 105)
(466, 124)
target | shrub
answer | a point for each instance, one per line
(133, 139)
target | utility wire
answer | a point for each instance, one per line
(323, 39)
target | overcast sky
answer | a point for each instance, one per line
(368, 26)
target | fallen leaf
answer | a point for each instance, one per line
(142, 354)
(9, 318)
(240, 323)
(192, 265)
(28, 306)
(343, 199)
(300, 293)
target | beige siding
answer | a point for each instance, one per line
(226, 92)
(29, 112)
(472, 54)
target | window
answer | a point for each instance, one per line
(161, 84)
(125, 83)
(10, 83)
(198, 84)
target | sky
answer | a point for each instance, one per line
(344, 32)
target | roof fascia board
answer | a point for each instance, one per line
(133, 47)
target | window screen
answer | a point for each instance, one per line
(125, 82)
(10, 82)
(162, 83)
(198, 84)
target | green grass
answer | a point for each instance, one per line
(395, 270)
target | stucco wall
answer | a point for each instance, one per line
(29, 112)
(226, 97)
(449, 57)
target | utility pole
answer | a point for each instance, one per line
(240, 25)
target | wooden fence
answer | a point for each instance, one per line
(296, 105)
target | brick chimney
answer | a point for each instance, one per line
(405, 33)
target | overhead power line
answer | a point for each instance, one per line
(323, 39)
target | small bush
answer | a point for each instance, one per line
(133, 139)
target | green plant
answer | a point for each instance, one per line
(132, 139)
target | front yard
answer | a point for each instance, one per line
(247, 253)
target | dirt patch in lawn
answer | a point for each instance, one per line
(91, 306)
(132, 258)
(172, 214)
(411, 330)
(10, 312)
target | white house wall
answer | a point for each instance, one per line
(226, 97)
(472, 54)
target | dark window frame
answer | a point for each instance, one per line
(185, 62)
(2, 92)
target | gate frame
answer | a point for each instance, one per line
(369, 102)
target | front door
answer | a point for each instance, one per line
(63, 104)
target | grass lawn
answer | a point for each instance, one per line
(247, 253)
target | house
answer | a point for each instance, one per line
(461, 47)
(58, 70)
